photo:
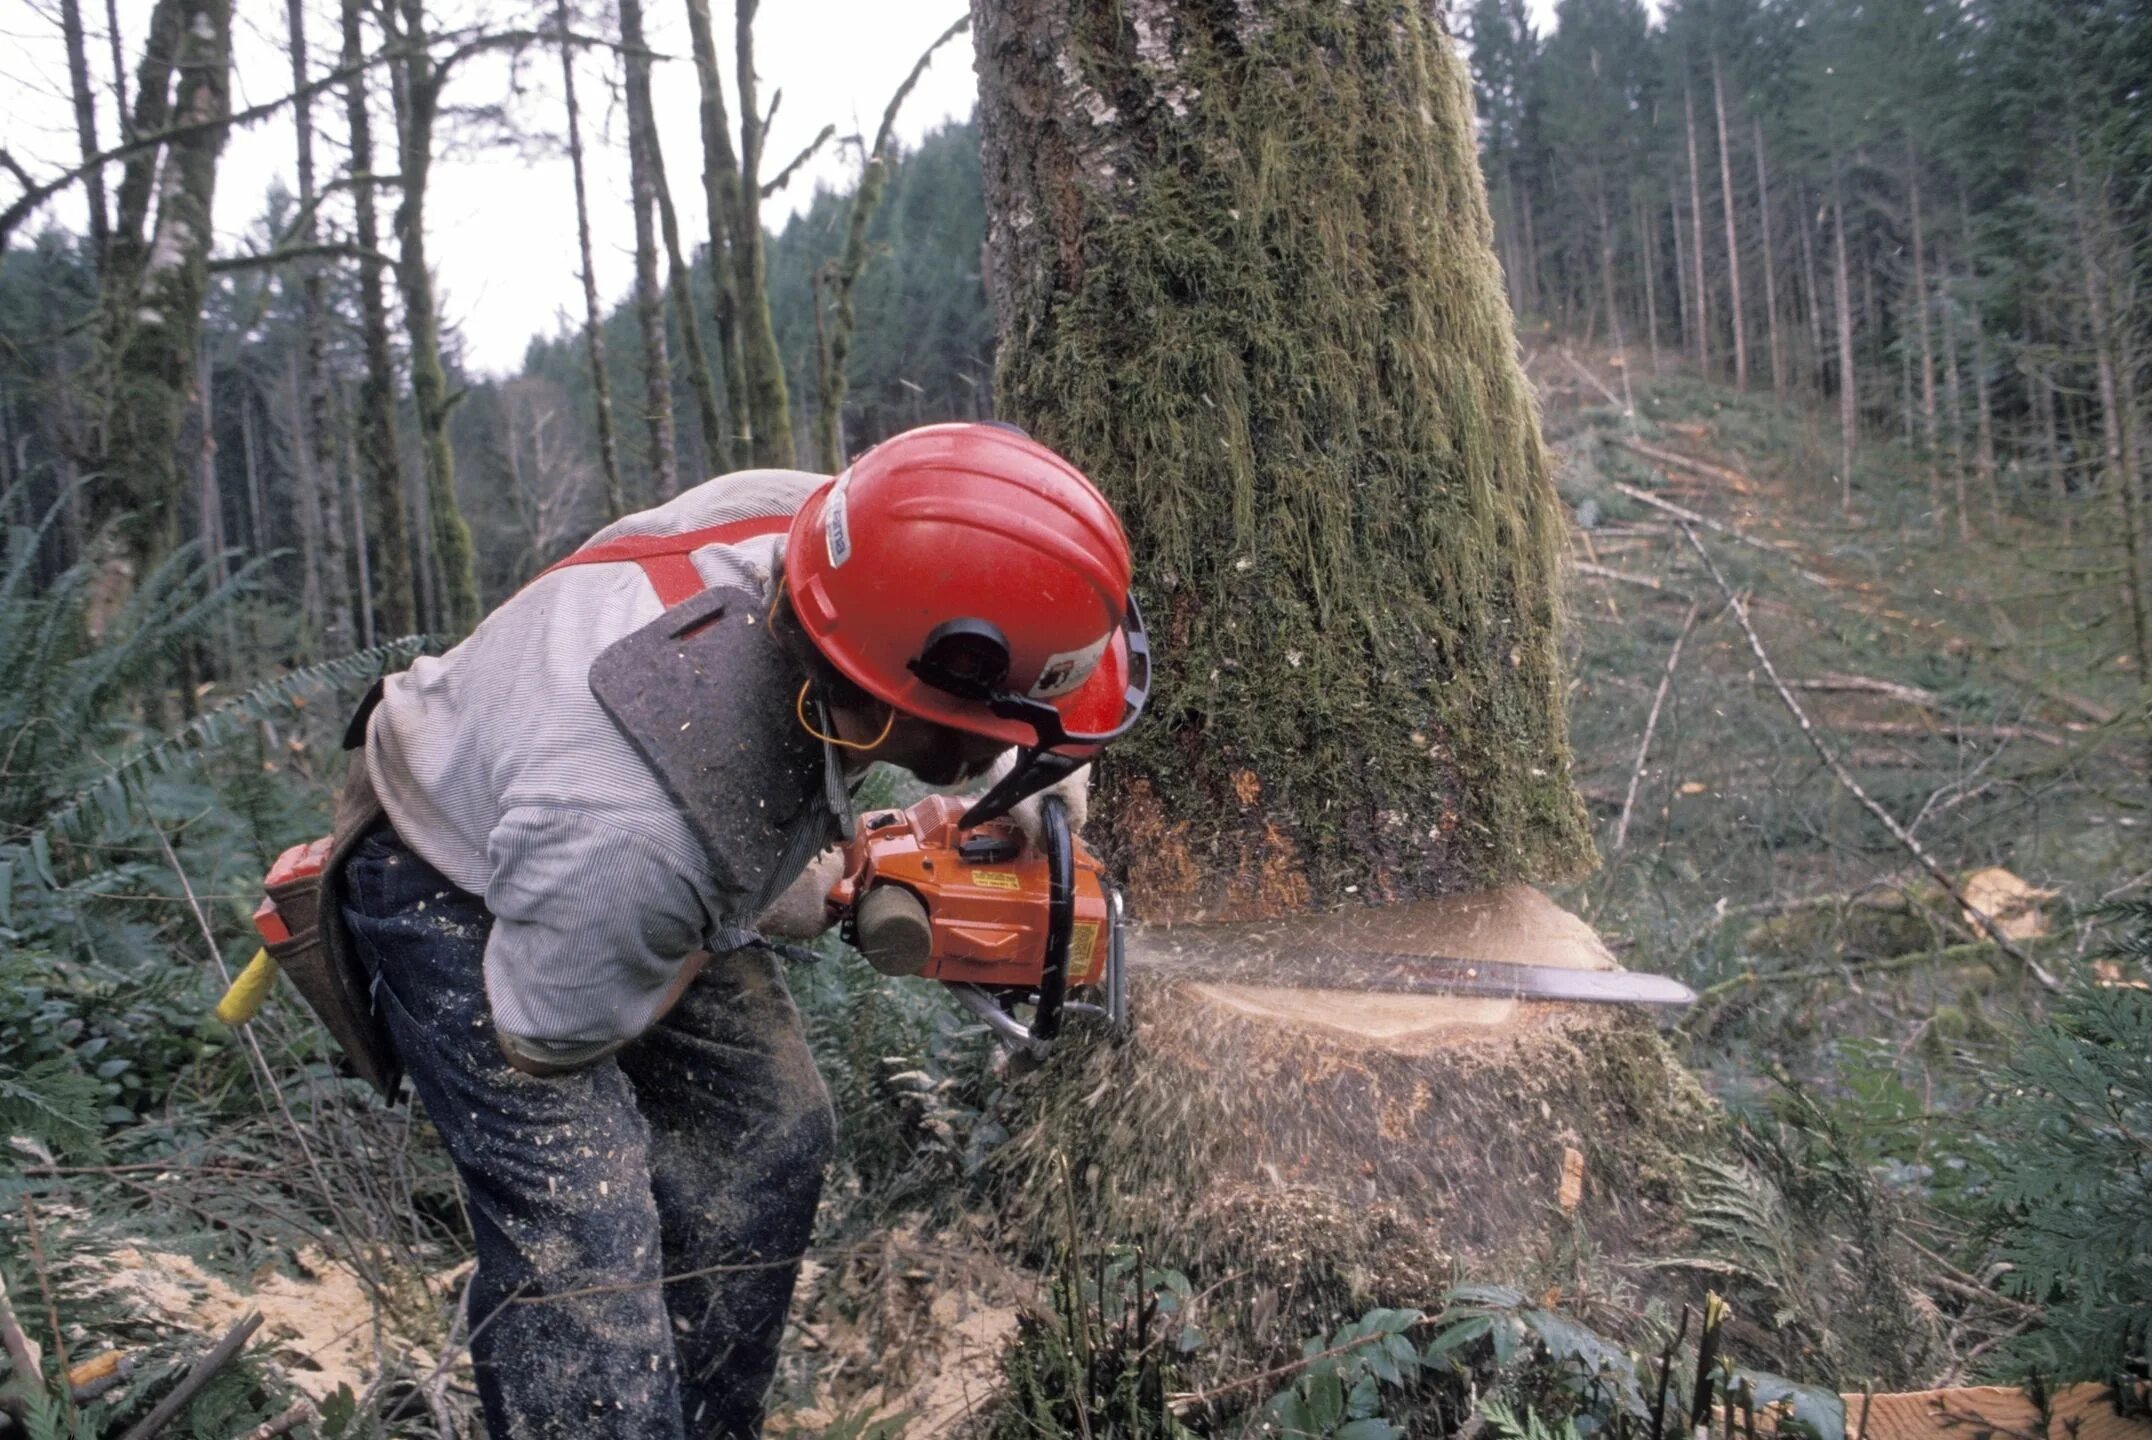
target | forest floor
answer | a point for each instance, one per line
(1978, 686)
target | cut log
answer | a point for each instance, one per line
(1337, 1149)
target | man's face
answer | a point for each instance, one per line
(938, 754)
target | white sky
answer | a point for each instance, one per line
(501, 222)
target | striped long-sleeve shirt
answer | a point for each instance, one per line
(498, 766)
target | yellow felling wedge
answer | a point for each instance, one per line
(244, 1000)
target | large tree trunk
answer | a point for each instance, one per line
(643, 176)
(720, 171)
(387, 598)
(616, 498)
(1733, 239)
(1297, 380)
(450, 539)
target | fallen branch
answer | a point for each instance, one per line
(1869, 685)
(1733, 479)
(1690, 517)
(1601, 386)
(22, 1356)
(1584, 567)
(1853, 787)
(283, 1424)
(1651, 726)
(1951, 731)
(196, 1379)
(1703, 1014)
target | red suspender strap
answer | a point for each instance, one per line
(666, 559)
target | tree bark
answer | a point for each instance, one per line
(316, 440)
(1682, 308)
(1953, 395)
(764, 380)
(85, 102)
(616, 499)
(420, 94)
(390, 602)
(649, 295)
(1650, 263)
(1848, 393)
(1770, 265)
(1922, 304)
(1378, 603)
(720, 188)
(1812, 288)
(1983, 404)
(153, 299)
(1733, 239)
(1696, 234)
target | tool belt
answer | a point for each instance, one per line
(306, 902)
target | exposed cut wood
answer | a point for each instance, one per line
(2079, 1412)
(1340, 1148)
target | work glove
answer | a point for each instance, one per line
(802, 911)
(1074, 790)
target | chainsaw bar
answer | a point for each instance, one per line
(1387, 973)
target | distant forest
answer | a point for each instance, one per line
(1932, 216)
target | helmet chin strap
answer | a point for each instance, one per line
(799, 708)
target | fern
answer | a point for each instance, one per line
(108, 796)
(2072, 1201)
(54, 1105)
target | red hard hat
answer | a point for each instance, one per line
(968, 575)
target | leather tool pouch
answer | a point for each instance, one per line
(307, 890)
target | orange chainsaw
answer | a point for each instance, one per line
(1007, 926)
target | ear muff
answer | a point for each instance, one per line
(966, 657)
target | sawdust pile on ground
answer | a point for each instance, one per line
(321, 1326)
(913, 1326)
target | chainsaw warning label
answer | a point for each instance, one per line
(1083, 939)
(996, 880)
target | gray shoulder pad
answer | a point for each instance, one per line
(704, 694)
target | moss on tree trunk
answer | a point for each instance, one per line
(1244, 275)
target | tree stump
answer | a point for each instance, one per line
(1345, 1149)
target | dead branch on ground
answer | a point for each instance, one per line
(1732, 479)
(1852, 786)
(1626, 577)
(1651, 726)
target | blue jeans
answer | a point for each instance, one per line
(639, 1223)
